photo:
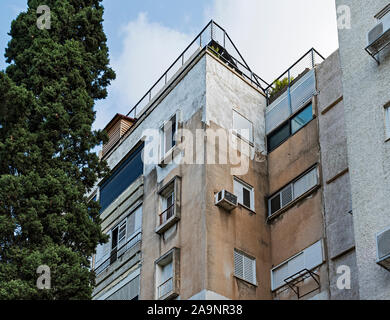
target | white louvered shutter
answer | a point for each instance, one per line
(244, 267)
(238, 265)
(305, 183)
(287, 195)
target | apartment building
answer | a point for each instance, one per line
(226, 187)
(365, 63)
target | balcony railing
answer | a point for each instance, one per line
(117, 253)
(212, 34)
(167, 214)
(165, 288)
(293, 74)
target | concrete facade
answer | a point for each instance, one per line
(366, 92)
(200, 239)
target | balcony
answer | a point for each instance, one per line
(117, 254)
(165, 288)
(170, 198)
(290, 92)
(167, 214)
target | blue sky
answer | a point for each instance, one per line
(145, 37)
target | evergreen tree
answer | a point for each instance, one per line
(47, 165)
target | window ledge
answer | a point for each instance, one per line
(246, 281)
(251, 143)
(292, 204)
(169, 156)
(246, 208)
(169, 223)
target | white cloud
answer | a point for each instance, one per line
(271, 35)
(148, 50)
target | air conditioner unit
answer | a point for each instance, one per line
(379, 36)
(226, 200)
(383, 248)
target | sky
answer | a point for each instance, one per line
(146, 36)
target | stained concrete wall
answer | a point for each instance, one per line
(301, 223)
(366, 91)
(241, 228)
(336, 185)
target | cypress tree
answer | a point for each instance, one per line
(47, 163)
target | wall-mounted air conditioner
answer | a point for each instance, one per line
(383, 248)
(226, 200)
(379, 36)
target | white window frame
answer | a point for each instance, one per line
(317, 247)
(240, 194)
(245, 259)
(292, 185)
(236, 131)
(163, 152)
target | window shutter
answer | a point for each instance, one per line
(313, 256)
(287, 195)
(131, 225)
(238, 265)
(249, 269)
(122, 234)
(244, 267)
(305, 183)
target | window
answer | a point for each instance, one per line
(309, 259)
(168, 135)
(167, 275)
(122, 238)
(242, 127)
(121, 178)
(118, 237)
(245, 267)
(303, 117)
(169, 205)
(166, 280)
(387, 121)
(278, 136)
(244, 193)
(293, 191)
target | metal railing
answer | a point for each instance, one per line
(165, 288)
(167, 214)
(293, 74)
(211, 34)
(117, 253)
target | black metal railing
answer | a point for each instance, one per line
(292, 74)
(167, 214)
(210, 35)
(116, 253)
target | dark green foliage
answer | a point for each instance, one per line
(279, 86)
(47, 95)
